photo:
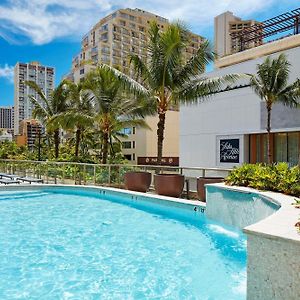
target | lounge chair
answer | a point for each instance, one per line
(9, 181)
(30, 179)
(10, 176)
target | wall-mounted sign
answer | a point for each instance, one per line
(165, 161)
(229, 150)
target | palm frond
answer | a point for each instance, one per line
(196, 64)
(202, 88)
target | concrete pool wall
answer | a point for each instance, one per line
(273, 243)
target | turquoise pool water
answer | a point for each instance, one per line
(61, 244)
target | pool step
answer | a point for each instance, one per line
(27, 195)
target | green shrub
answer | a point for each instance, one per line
(276, 177)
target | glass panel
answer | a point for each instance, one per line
(293, 148)
(280, 147)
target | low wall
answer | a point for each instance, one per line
(236, 207)
(273, 244)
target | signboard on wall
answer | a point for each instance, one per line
(165, 161)
(229, 150)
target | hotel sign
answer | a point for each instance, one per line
(229, 150)
(165, 161)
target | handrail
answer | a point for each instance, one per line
(100, 174)
(116, 165)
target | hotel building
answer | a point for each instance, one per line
(43, 76)
(111, 41)
(226, 27)
(29, 132)
(7, 117)
(230, 128)
(116, 36)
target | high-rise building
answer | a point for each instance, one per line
(43, 76)
(111, 41)
(237, 40)
(7, 117)
(226, 26)
(29, 131)
(116, 36)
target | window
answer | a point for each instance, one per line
(133, 130)
(127, 156)
(133, 144)
(104, 27)
(293, 148)
(133, 156)
(81, 71)
(126, 145)
(280, 147)
(122, 23)
(126, 131)
(285, 147)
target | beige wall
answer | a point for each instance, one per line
(146, 139)
(171, 140)
(226, 24)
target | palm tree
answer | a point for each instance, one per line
(45, 109)
(169, 78)
(270, 83)
(79, 113)
(118, 102)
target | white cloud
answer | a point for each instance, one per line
(44, 20)
(7, 72)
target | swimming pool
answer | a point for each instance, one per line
(74, 244)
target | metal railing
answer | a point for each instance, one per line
(99, 174)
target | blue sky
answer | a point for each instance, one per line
(50, 30)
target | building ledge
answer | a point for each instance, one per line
(259, 51)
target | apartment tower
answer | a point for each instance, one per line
(226, 25)
(6, 117)
(43, 76)
(116, 36)
(111, 41)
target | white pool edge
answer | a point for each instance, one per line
(109, 189)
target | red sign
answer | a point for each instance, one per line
(165, 161)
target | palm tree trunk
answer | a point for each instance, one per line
(105, 148)
(77, 143)
(160, 136)
(56, 143)
(269, 134)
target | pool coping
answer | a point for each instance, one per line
(279, 225)
(111, 189)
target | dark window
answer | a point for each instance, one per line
(126, 145)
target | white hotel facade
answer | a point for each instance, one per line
(230, 128)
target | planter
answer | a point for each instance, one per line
(202, 181)
(169, 184)
(137, 181)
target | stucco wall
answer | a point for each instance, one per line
(273, 268)
(238, 111)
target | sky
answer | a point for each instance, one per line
(50, 31)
